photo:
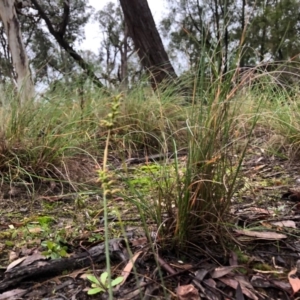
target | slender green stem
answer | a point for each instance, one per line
(106, 235)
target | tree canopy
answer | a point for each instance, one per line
(233, 33)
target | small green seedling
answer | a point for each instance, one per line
(102, 285)
(54, 250)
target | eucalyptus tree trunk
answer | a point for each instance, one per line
(12, 28)
(147, 41)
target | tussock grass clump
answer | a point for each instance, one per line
(48, 137)
(277, 88)
(147, 122)
(189, 199)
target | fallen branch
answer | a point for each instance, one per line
(45, 268)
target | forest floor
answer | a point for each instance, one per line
(265, 217)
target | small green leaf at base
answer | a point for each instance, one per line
(117, 281)
(103, 278)
(93, 279)
(95, 291)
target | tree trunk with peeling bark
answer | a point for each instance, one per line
(147, 41)
(12, 28)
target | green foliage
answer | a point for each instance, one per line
(273, 30)
(263, 30)
(102, 285)
(54, 250)
(144, 177)
(197, 27)
(45, 220)
(95, 237)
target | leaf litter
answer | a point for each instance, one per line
(266, 266)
